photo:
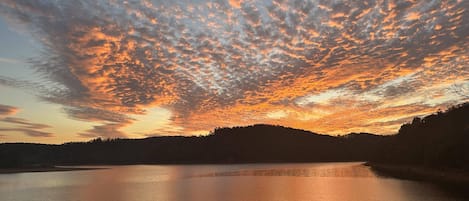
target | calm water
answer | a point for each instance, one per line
(308, 181)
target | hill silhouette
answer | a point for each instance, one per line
(251, 144)
(440, 139)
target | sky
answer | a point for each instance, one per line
(77, 70)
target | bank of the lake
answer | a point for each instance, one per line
(43, 169)
(435, 175)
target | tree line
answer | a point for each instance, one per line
(440, 139)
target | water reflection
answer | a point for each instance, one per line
(335, 170)
(314, 181)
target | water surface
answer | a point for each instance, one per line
(257, 182)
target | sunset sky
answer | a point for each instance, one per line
(77, 70)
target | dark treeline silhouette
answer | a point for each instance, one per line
(251, 144)
(441, 139)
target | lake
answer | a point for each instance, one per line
(256, 182)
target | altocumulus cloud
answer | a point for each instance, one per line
(220, 63)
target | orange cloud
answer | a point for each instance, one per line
(7, 110)
(331, 67)
(235, 3)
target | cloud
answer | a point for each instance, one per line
(24, 123)
(221, 63)
(111, 122)
(277, 114)
(235, 3)
(9, 60)
(109, 130)
(21, 125)
(93, 114)
(7, 110)
(26, 127)
(29, 132)
(33, 87)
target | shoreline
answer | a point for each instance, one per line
(43, 169)
(408, 172)
(426, 174)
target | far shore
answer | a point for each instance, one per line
(44, 169)
(434, 175)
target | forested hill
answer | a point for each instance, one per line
(441, 139)
(437, 140)
(251, 144)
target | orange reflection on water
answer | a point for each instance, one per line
(259, 182)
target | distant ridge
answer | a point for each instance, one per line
(250, 144)
(439, 139)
